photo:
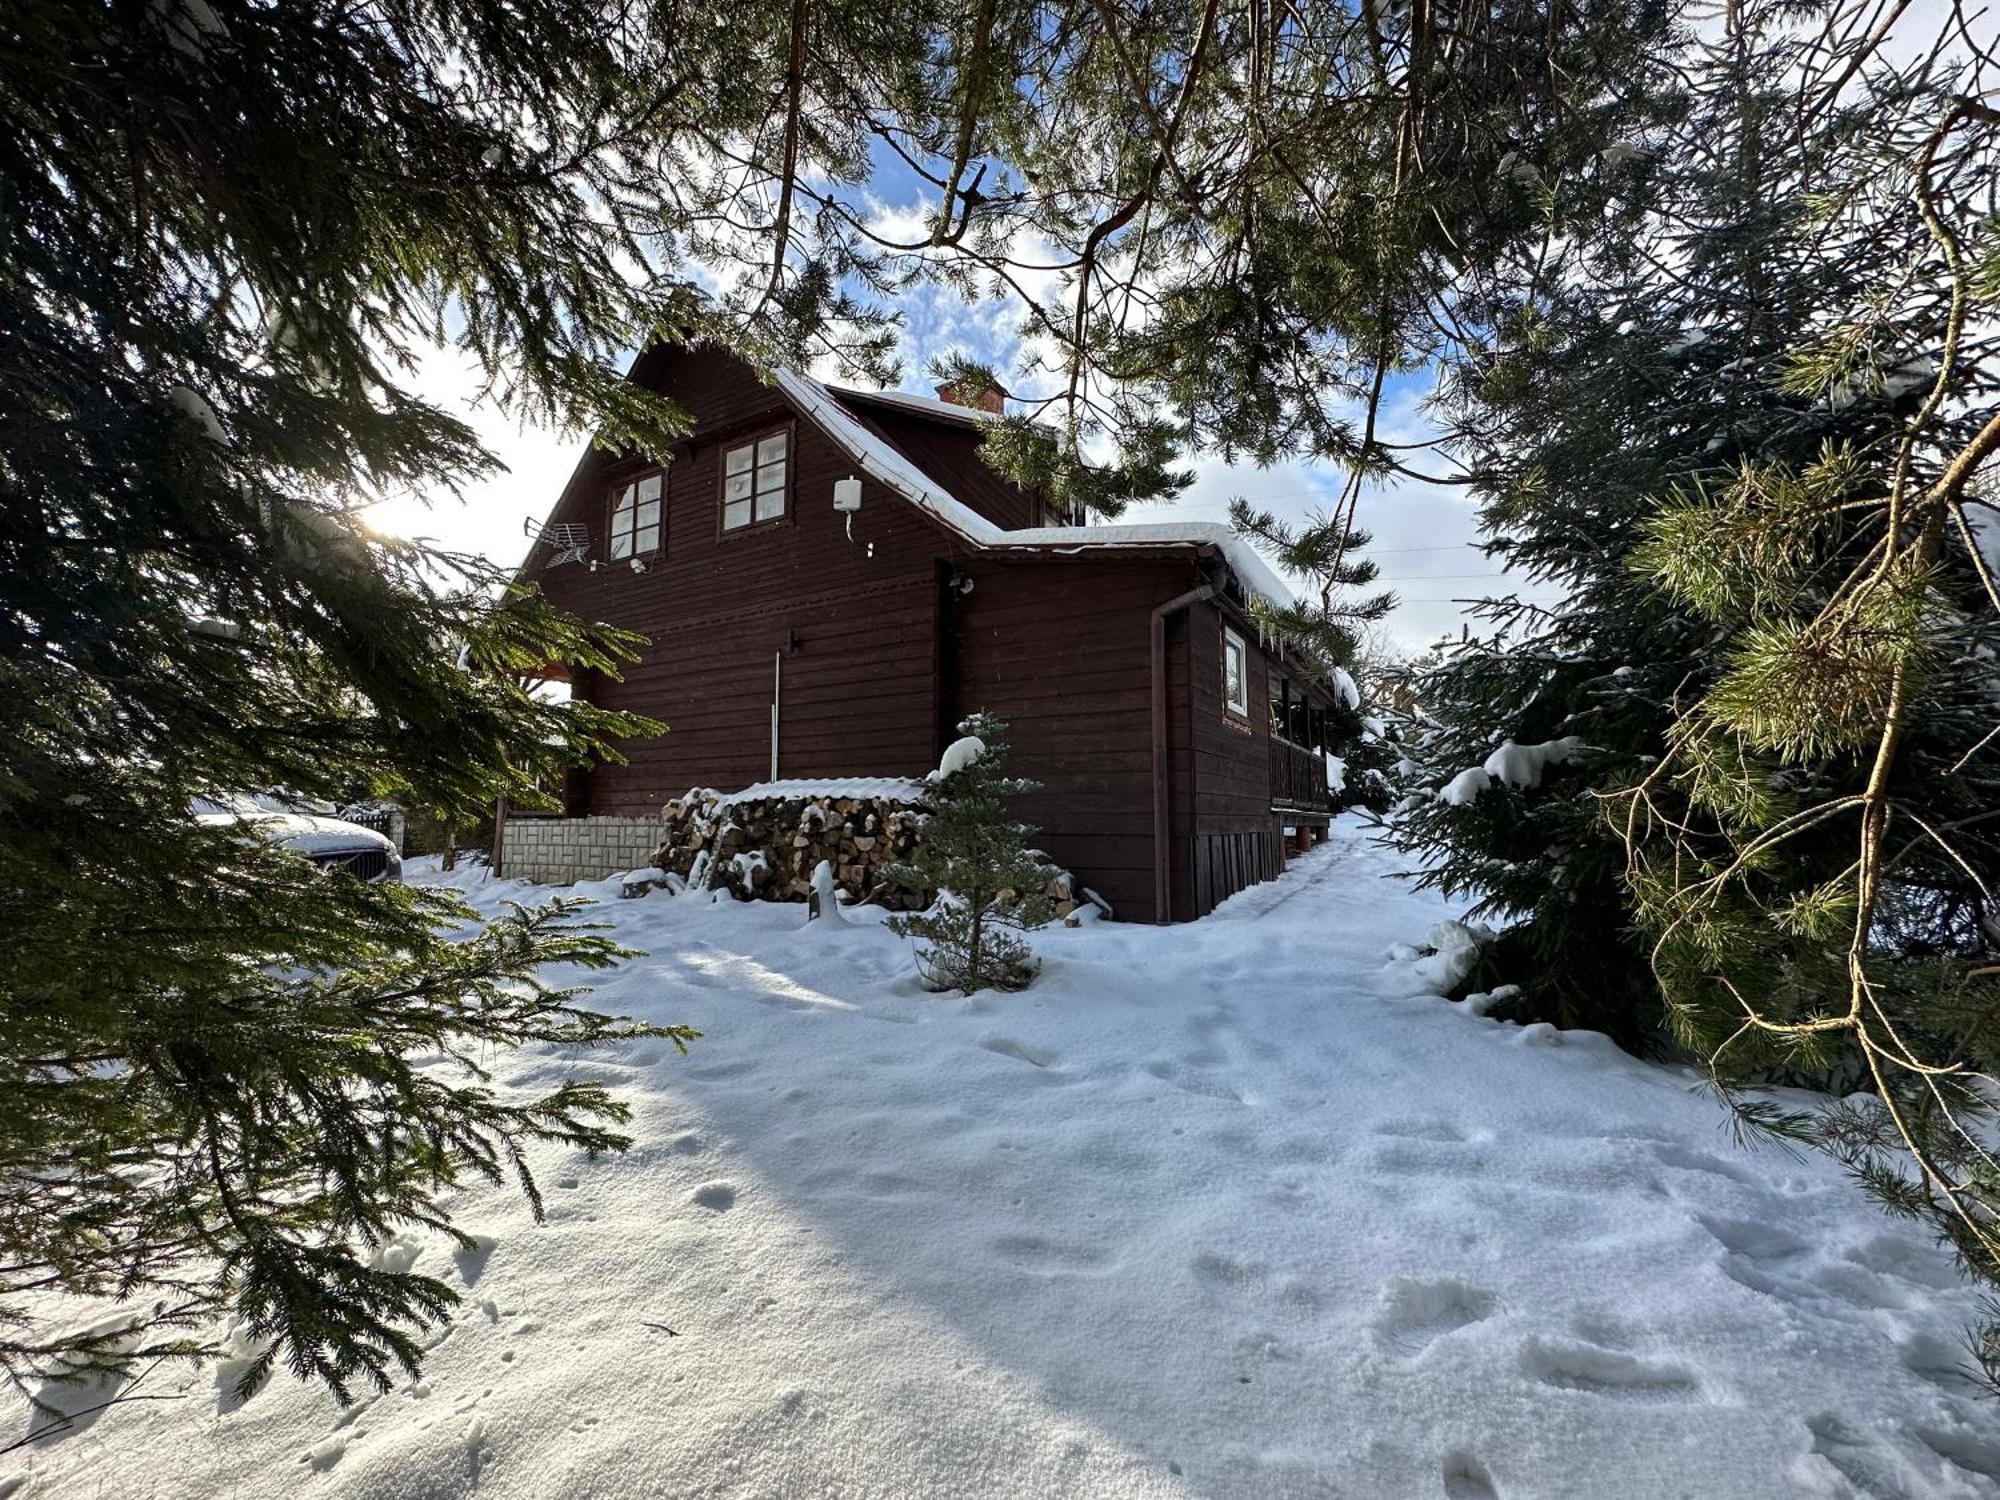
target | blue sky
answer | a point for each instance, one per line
(1424, 534)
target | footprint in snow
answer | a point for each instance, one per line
(1682, 1159)
(324, 1455)
(718, 1071)
(1774, 1262)
(1754, 1241)
(1864, 1289)
(349, 1415)
(1416, 1314)
(1307, 1150)
(718, 1196)
(1426, 1130)
(1606, 1372)
(1466, 1478)
(1172, 1073)
(1906, 1260)
(1963, 1448)
(1224, 1270)
(1852, 1456)
(1020, 1051)
(475, 1448)
(471, 1259)
(1030, 1252)
(1947, 1366)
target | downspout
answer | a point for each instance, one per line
(777, 695)
(1161, 894)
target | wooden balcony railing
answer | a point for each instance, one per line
(1298, 777)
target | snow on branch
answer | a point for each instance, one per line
(1518, 766)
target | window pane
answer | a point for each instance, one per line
(771, 478)
(736, 513)
(736, 487)
(621, 544)
(737, 460)
(621, 505)
(649, 538)
(772, 449)
(649, 488)
(649, 513)
(771, 506)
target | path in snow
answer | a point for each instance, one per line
(1210, 1211)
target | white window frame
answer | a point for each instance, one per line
(1237, 703)
(757, 481)
(638, 516)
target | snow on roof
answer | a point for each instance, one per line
(929, 406)
(888, 465)
(1256, 574)
(883, 460)
(886, 788)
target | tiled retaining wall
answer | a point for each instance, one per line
(557, 851)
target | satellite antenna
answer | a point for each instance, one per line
(571, 542)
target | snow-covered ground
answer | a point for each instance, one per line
(1212, 1211)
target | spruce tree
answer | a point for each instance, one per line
(224, 231)
(1739, 413)
(974, 861)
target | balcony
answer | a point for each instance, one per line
(1298, 778)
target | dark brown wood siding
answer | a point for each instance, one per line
(949, 453)
(881, 653)
(1061, 649)
(1230, 838)
(855, 620)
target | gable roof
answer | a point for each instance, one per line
(923, 406)
(890, 467)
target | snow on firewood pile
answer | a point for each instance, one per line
(1229, 1209)
(766, 842)
(882, 788)
(763, 843)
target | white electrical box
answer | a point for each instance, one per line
(847, 494)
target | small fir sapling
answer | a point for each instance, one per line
(989, 886)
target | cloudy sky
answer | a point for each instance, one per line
(1425, 535)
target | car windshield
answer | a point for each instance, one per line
(291, 802)
(250, 805)
(225, 804)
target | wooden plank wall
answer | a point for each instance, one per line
(856, 619)
(1180, 771)
(949, 453)
(1061, 649)
(880, 658)
(1230, 839)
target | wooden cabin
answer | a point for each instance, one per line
(791, 639)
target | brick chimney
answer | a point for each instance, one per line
(991, 399)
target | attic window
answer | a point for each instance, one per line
(635, 517)
(754, 475)
(1235, 674)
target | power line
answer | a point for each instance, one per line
(1440, 547)
(1433, 578)
(1462, 599)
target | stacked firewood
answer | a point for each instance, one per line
(767, 849)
